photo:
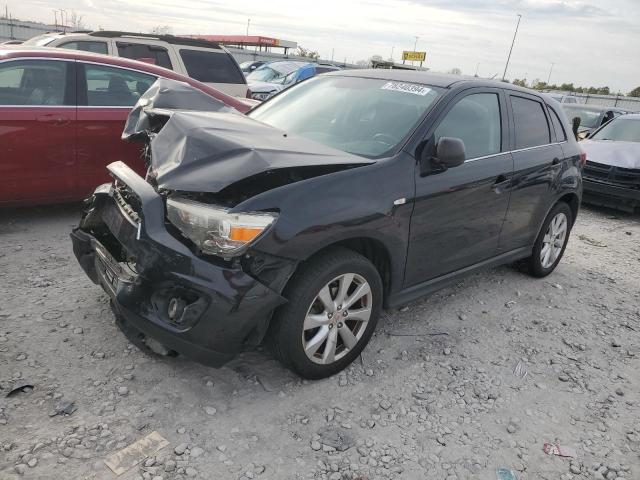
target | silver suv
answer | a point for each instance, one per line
(202, 60)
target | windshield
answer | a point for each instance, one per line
(41, 40)
(264, 74)
(620, 130)
(363, 116)
(588, 118)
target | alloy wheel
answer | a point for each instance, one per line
(337, 318)
(553, 240)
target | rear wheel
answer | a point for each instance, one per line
(334, 304)
(551, 242)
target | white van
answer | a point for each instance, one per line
(202, 60)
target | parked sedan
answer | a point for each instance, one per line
(591, 116)
(275, 77)
(61, 116)
(612, 172)
(347, 193)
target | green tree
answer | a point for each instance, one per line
(520, 83)
(635, 92)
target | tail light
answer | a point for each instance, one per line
(583, 157)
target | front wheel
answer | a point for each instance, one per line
(551, 242)
(333, 306)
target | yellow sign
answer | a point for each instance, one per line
(414, 56)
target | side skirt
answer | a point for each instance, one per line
(415, 292)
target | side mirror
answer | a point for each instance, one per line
(449, 153)
(575, 125)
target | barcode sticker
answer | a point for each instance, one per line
(406, 88)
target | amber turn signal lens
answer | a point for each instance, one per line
(244, 234)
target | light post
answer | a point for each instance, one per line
(511, 49)
(415, 45)
(550, 70)
(248, 22)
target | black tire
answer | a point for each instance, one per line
(285, 336)
(534, 264)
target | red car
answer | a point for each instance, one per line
(61, 116)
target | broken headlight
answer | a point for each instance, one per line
(215, 230)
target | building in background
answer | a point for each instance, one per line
(14, 29)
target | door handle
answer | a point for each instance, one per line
(52, 120)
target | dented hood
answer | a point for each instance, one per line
(616, 154)
(206, 152)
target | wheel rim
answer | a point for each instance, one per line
(553, 240)
(337, 318)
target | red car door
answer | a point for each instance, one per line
(106, 94)
(37, 131)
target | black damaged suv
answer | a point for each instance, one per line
(348, 193)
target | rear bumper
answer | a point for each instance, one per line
(142, 267)
(609, 194)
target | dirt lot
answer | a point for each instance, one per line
(474, 378)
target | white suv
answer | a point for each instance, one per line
(202, 60)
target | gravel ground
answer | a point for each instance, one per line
(477, 377)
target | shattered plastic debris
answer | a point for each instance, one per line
(337, 438)
(505, 474)
(64, 408)
(520, 370)
(554, 449)
(592, 241)
(23, 387)
(132, 455)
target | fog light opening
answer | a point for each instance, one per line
(176, 308)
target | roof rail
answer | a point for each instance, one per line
(192, 42)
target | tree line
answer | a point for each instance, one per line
(569, 87)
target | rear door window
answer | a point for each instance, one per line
(531, 126)
(153, 54)
(35, 82)
(86, 46)
(114, 87)
(476, 121)
(211, 67)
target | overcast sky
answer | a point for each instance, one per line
(591, 42)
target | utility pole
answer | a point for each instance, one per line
(332, 51)
(248, 22)
(511, 49)
(550, 70)
(392, 49)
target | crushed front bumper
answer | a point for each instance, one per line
(610, 195)
(131, 254)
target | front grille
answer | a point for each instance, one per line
(626, 177)
(128, 202)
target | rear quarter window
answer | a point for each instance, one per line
(531, 126)
(211, 67)
(561, 134)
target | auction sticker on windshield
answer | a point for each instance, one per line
(406, 88)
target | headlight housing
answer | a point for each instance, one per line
(214, 229)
